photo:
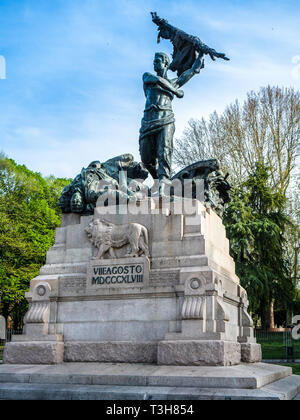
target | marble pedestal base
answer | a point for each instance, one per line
(177, 352)
(180, 305)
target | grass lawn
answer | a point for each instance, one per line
(273, 346)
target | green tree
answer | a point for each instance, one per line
(29, 214)
(256, 221)
(265, 127)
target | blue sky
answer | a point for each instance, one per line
(73, 88)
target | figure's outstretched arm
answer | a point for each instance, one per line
(188, 74)
(151, 79)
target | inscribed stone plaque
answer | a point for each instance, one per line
(72, 285)
(118, 273)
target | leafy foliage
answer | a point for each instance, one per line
(264, 128)
(256, 223)
(29, 214)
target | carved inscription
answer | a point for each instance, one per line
(167, 278)
(125, 272)
(72, 286)
(118, 274)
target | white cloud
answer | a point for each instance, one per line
(76, 95)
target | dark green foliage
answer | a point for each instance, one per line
(256, 222)
(29, 214)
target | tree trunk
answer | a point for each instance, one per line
(263, 315)
(271, 314)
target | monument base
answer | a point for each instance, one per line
(169, 295)
(177, 352)
(113, 381)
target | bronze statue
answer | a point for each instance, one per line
(215, 185)
(157, 128)
(185, 47)
(120, 178)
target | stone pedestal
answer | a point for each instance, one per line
(182, 304)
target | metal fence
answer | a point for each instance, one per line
(278, 345)
(10, 332)
(2, 343)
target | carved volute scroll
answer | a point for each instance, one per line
(193, 307)
(39, 309)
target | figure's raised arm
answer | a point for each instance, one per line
(188, 74)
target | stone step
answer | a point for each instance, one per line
(288, 387)
(244, 376)
(27, 391)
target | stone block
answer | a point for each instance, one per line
(60, 236)
(55, 256)
(114, 352)
(199, 353)
(34, 352)
(76, 238)
(251, 352)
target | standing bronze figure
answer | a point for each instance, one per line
(157, 129)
